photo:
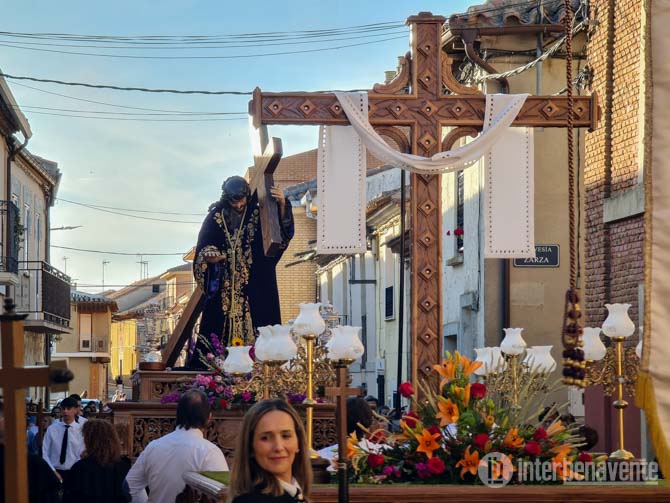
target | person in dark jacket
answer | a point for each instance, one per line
(272, 457)
(99, 475)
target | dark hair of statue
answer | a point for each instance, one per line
(247, 476)
(193, 410)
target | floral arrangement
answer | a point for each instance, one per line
(445, 437)
(218, 385)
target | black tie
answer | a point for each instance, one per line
(63, 447)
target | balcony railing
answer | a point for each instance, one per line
(9, 217)
(44, 293)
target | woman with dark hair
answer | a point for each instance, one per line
(99, 475)
(272, 457)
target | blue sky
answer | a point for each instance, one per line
(173, 166)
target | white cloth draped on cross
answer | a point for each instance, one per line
(508, 152)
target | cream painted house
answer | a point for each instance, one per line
(87, 349)
(28, 187)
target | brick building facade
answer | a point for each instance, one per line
(614, 192)
(614, 202)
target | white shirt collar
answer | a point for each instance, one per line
(292, 488)
(196, 432)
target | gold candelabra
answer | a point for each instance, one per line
(309, 400)
(615, 371)
(506, 382)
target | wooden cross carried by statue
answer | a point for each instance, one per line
(423, 98)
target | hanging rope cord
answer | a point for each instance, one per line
(573, 357)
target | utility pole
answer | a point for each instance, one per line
(65, 259)
(104, 263)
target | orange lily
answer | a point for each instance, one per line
(448, 411)
(446, 370)
(561, 451)
(427, 442)
(469, 463)
(488, 421)
(501, 469)
(468, 366)
(463, 394)
(512, 439)
(562, 469)
(555, 428)
(352, 445)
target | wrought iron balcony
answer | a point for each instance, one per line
(43, 292)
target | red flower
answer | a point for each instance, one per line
(532, 448)
(540, 434)
(584, 457)
(478, 390)
(406, 390)
(435, 465)
(375, 460)
(480, 440)
(223, 403)
(212, 384)
(434, 429)
(377, 437)
(458, 232)
(411, 419)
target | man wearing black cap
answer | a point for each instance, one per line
(239, 282)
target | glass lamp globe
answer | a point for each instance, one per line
(238, 360)
(593, 347)
(309, 320)
(618, 323)
(513, 344)
(345, 344)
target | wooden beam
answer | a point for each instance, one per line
(184, 328)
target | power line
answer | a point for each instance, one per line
(162, 46)
(130, 209)
(172, 114)
(234, 56)
(104, 103)
(136, 120)
(116, 253)
(119, 88)
(132, 216)
(199, 38)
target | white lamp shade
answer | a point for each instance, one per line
(593, 348)
(238, 360)
(483, 355)
(539, 359)
(309, 320)
(513, 343)
(345, 343)
(618, 323)
(277, 344)
(638, 349)
(263, 340)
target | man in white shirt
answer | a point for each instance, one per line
(164, 461)
(63, 442)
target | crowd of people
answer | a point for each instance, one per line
(81, 459)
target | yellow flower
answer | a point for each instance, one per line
(448, 411)
(469, 463)
(512, 439)
(446, 370)
(237, 341)
(427, 442)
(500, 469)
(489, 421)
(463, 394)
(352, 445)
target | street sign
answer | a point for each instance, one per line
(545, 256)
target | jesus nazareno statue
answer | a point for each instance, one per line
(238, 281)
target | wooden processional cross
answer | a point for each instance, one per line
(424, 97)
(14, 379)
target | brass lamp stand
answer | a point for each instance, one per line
(309, 395)
(621, 454)
(268, 366)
